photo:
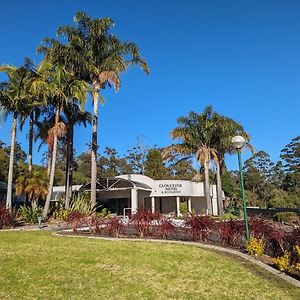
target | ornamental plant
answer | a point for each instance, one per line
(255, 246)
(143, 220)
(231, 232)
(7, 219)
(198, 227)
(164, 229)
(115, 227)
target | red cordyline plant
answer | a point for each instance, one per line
(115, 227)
(96, 224)
(164, 229)
(76, 219)
(143, 220)
(7, 219)
(231, 232)
(199, 227)
(273, 234)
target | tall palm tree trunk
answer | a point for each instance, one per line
(30, 143)
(206, 188)
(11, 164)
(53, 162)
(219, 190)
(69, 165)
(49, 160)
(94, 148)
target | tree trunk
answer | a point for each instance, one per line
(11, 164)
(30, 143)
(206, 187)
(219, 190)
(69, 165)
(49, 162)
(94, 148)
(53, 162)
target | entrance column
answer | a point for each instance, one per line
(178, 206)
(134, 201)
(153, 204)
(189, 205)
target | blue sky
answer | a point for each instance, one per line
(243, 57)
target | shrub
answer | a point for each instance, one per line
(83, 204)
(229, 216)
(143, 220)
(199, 227)
(231, 232)
(183, 208)
(115, 227)
(104, 213)
(274, 236)
(286, 217)
(283, 263)
(62, 214)
(164, 229)
(96, 224)
(7, 219)
(255, 246)
(77, 219)
(30, 214)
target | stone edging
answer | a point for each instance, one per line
(275, 272)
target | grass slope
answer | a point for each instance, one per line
(37, 265)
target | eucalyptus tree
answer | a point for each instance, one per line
(13, 99)
(98, 57)
(194, 135)
(63, 86)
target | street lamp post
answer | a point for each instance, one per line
(238, 143)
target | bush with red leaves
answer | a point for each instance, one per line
(274, 235)
(164, 229)
(76, 219)
(96, 224)
(7, 219)
(199, 227)
(231, 232)
(115, 227)
(143, 220)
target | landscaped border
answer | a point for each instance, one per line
(275, 272)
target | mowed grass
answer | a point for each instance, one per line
(38, 265)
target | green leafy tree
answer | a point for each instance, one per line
(154, 165)
(290, 154)
(182, 169)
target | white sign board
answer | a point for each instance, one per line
(181, 188)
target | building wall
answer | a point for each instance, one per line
(199, 204)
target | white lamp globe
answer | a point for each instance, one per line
(238, 142)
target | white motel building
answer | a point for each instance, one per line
(132, 192)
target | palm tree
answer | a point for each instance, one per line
(74, 115)
(63, 86)
(34, 185)
(37, 90)
(96, 57)
(13, 99)
(195, 134)
(225, 129)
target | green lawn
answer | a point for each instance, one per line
(37, 265)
